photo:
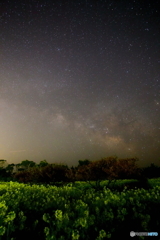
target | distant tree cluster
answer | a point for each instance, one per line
(110, 168)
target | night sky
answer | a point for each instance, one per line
(79, 80)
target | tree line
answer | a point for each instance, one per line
(110, 168)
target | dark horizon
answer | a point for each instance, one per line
(75, 163)
(79, 80)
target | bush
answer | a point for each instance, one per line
(47, 174)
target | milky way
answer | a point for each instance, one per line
(79, 80)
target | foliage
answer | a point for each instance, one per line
(23, 176)
(83, 162)
(10, 168)
(97, 170)
(71, 175)
(4, 175)
(109, 168)
(26, 164)
(43, 163)
(69, 213)
(6, 220)
(55, 173)
(128, 168)
(2, 163)
(152, 171)
(46, 174)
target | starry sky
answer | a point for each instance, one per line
(79, 80)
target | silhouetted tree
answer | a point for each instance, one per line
(26, 164)
(83, 162)
(128, 168)
(2, 163)
(43, 163)
(71, 174)
(10, 167)
(23, 176)
(104, 169)
(152, 171)
(50, 174)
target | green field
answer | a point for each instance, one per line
(77, 211)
